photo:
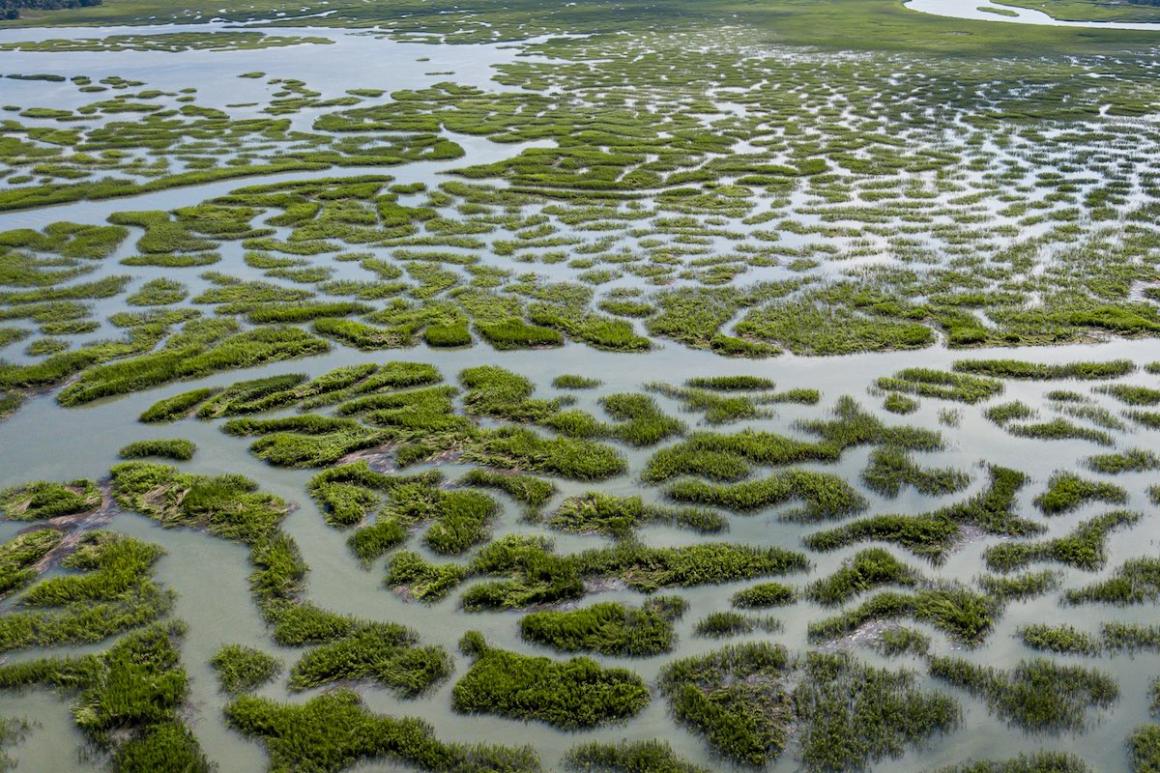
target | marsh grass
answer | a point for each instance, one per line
(385, 653)
(736, 697)
(410, 574)
(19, 556)
(867, 569)
(1132, 460)
(653, 756)
(1020, 586)
(1060, 429)
(530, 490)
(177, 407)
(335, 730)
(1067, 491)
(763, 596)
(128, 698)
(1036, 695)
(900, 404)
(573, 381)
(966, 616)
(42, 500)
(621, 516)
(900, 640)
(522, 449)
(926, 382)
(1083, 548)
(1132, 394)
(740, 699)
(1044, 761)
(891, 468)
(1144, 748)
(930, 535)
(1136, 581)
(607, 628)
(723, 624)
(826, 496)
(882, 711)
(176, 448)
(1063, 639)
(576, 693)
(229, 506)
(242, 669)
(1020, 369)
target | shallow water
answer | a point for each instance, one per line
(41, 441)
(45, 441)
(970, 9)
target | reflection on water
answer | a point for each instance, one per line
(971, 9)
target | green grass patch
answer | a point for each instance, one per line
(1036, 695)
(569, 694)
(174, 448)
(242, 669)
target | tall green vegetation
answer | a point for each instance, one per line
(576, 693)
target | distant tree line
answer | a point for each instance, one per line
(1145, 2)
(10, 9)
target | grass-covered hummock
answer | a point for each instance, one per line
(177, 407)
(931, 535)
(574, 381)
(1067, 491)
(842, 713)
(826, 496)
(385, 653)
(1136, 581)
(900, 640)
(1021, 369)
(867, 569)
(42, 500)
(522, 449)
(575, 693)
(528, 489)
(1037, 695)
(1132, 460)
(1019, 586)
(725, 623)
(962, 614)
(241, 669)
(1144, 748)
(620, 516)
(410, 575)
(736, 697)
(764, 595)
(335, 730)
(1083, 548)
(1064, 639)
(927, 382)
(129, 698)
(20, 556)
(111, 590)
(608, 628)
(877, 712)
(653, 756)
(891, 468)
(177, 449)
(229, 506)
